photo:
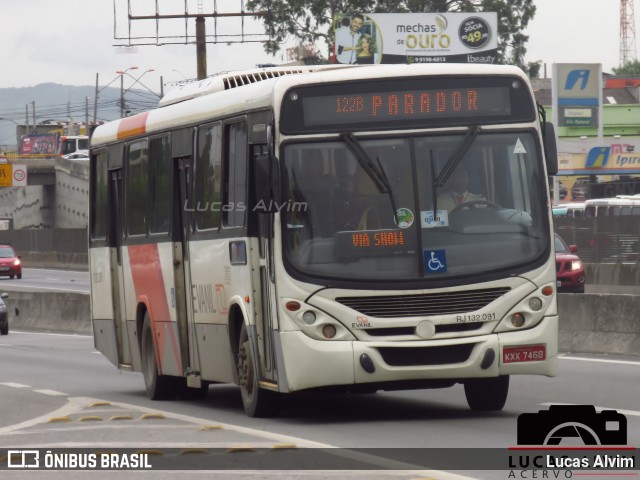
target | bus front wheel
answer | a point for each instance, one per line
(257, 401)
(487, 394)
(159, 387)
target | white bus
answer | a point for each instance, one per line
(72, 146)
(293, 229)
(621, 205)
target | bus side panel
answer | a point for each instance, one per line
(214, 281)
(145, 284)
(102, 315)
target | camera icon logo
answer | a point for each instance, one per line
(23, 459)
(572, 425)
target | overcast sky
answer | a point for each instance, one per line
(69, 41)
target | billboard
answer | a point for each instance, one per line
(416, 38)
(39, 144)
(577, 88)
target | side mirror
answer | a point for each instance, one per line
(550, 148)
(4, 295)
(573, 248)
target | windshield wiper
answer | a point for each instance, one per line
(375, 172)
(455, 158)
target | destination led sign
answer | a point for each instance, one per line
(414, 104)
(406, 103)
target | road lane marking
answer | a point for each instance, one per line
(633, 413)
(51, 392)
(72, 406)
(599, 360)
(15, 385)
(40, 287)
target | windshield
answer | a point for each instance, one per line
(7, 252)
(560, 246)
(490, 213)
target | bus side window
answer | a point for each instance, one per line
(207, 177)
(235, 194)
(99, 195)
(160, 188)
(137, 189)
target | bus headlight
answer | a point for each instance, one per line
(517, 319)
(535, 304)
(309, 317)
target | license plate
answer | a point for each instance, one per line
(558, 283)
(524, 353)
(4, 269)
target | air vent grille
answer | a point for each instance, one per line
(445, 303)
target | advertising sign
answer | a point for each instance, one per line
(39, 144)
(416, 38)
(577, 88)
(611, 159)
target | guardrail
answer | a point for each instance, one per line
(589, 323)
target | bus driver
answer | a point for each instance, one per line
(458, 193)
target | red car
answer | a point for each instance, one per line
(569, 269)
(10, 264)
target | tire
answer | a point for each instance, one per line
(4, 330)
(19, 276)
(11, 277)
(487, 394)
(159, 387)
(257, 401)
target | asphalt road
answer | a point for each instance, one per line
(49, 280)
(45, 378)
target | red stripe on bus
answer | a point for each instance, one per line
(135, 125)
(148, 283)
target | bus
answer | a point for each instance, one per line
(570, 209)
(621, 205)
(73, 144)
(291, 229)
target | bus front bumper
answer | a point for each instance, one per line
(310, 363)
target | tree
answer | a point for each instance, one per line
(311, 20)
(631, 68)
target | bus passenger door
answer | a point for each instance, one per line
(116, 199)
(182, 267)
(266, 324)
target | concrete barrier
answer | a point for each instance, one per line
(599, 323)
(589, 323)
(63, 312)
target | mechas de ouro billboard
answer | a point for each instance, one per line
(416, 38)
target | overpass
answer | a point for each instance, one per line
(56, 195)
(40, 168)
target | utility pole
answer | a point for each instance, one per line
(121, 95)
(86, 116)
(95, 103)
(26, 107)
(34, 116)
(201, 48)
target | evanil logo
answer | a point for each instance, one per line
(598, 157)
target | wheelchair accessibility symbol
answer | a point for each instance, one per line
(435, 261)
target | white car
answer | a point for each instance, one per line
(76, 156)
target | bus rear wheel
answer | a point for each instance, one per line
(257, 401)
(159, 387)
(487, 394)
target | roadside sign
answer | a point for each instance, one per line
(19, 175)
(3, 160)
(5, 175)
